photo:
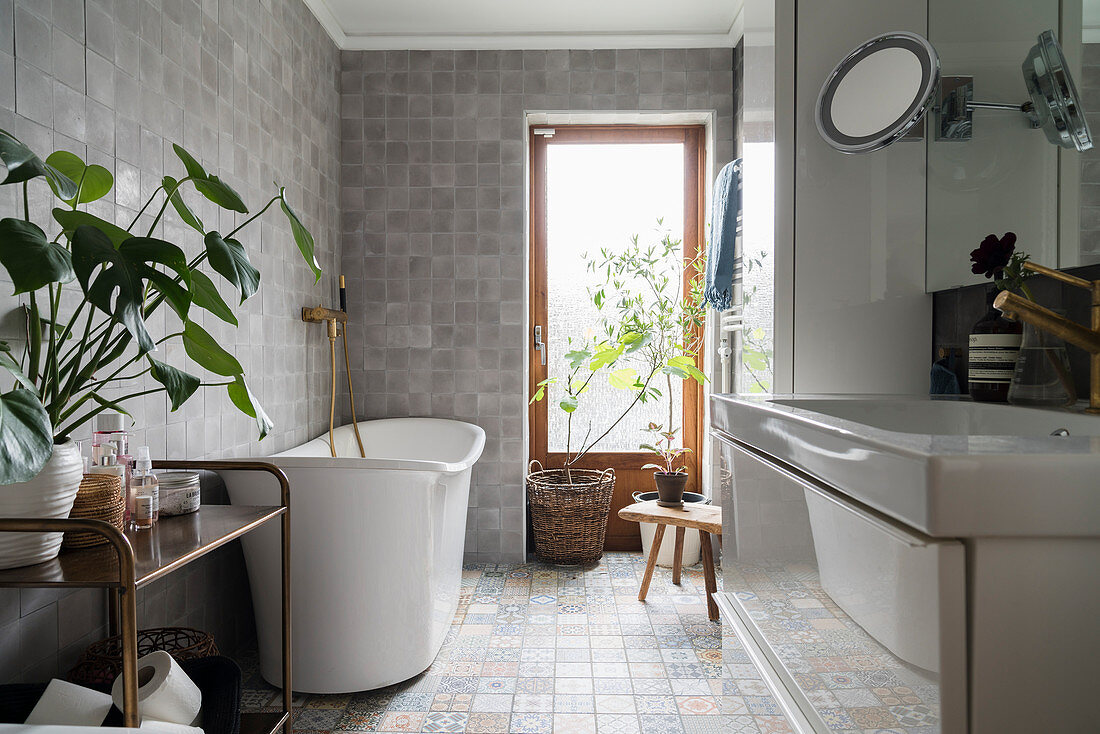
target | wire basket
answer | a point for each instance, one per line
(569, 511)
(99, 498)
(101, 663)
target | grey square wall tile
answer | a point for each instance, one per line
(118, 82)
(454, 147)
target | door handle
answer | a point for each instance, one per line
(540, 345)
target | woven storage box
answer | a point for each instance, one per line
(99, 498)
(569, 512)
(101, 663)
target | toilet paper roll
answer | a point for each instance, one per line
(165, 693)
(163, 727)
(64, 703)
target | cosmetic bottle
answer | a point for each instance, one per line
(144, 489)
(112, 438)
(993, 349)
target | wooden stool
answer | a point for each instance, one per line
(707, 519)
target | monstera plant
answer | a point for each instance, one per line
(76, 346)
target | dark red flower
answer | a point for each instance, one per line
(993, 254)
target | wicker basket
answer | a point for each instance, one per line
(101, 663)
(99, 498)
(569, 512)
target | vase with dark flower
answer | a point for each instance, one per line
(994, 342)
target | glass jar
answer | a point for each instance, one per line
(1042, 376)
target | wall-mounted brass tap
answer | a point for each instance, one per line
(335, 319)
(1044, 319)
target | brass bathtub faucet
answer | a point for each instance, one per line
(1044, 319)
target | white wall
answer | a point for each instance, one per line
(861, 321)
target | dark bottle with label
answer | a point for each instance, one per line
(991, 359)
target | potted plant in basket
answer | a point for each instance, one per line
(89, 294)
(649, 331)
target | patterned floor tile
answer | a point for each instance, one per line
(537, 649)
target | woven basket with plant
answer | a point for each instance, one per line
(650, 330)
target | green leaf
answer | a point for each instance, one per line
(178, 384)
(302, 237)
(568, 403)
(70, 220)
(209, 185)
(194, 169)
(110, 404)
(92, 248)
(30, 259)
(229, 259)
(152, 250)
(685, 368)
(204, 294)
(598, 299)
(171, 185)
(577, 358)
(94, 182)
(142, 250)
(754, 360)
(623, 379)
(8, 363)
(26, 436)
(604, 356)
(24, 165)
(632, 341)
(177, 296)
(539, 395)
(243, 398)
(202, 348)
(220, 193)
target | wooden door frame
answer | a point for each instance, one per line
(693, 136)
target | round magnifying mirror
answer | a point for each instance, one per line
(1054, 95)
(878, 92)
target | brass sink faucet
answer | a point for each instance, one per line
(1044, 319)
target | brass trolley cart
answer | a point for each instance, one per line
(121, 569)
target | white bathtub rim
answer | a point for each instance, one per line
(291, 459)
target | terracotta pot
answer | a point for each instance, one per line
(670, 488)
(50, 494)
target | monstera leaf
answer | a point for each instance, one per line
(204, 294)
(171, 189)
(209, 185)
(118, 289)
(23, 165)
(31, 260)
(93, 182)
(229, 259)
(26, 436)
(243, 398)
(70, 219)
(302, 237)
(178, 384)
(202, 348)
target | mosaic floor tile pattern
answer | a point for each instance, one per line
(538, 649)
(855, 684)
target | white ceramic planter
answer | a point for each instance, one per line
(50, 494)
(665, 556)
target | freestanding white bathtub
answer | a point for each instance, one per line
(376, 551)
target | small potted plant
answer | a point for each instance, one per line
(91, 296)
(669, 477)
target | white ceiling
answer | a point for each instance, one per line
(489, 24)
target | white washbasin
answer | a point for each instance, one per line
(949, 417)
(947, 467)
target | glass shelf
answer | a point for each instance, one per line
(171, 543)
